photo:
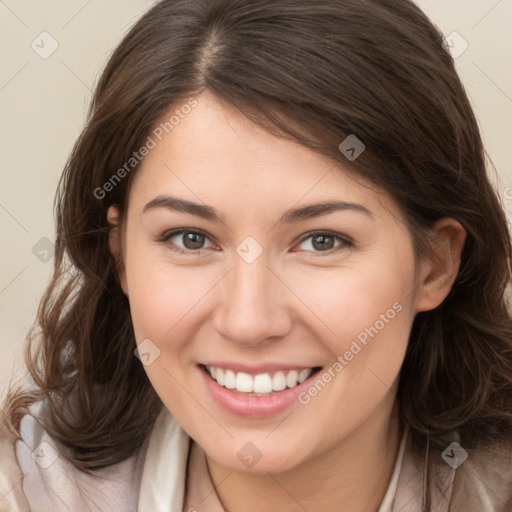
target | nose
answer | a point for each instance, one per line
(252, 308)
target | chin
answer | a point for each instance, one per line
(257, 458)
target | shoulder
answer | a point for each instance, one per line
(460, 480)
(44, 479)
(12, 497)
(483, 480)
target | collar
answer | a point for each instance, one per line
(165, 469)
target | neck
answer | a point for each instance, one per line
(356, 473)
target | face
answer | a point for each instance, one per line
(256, 285)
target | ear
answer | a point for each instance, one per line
(115, 244)
(438, 273)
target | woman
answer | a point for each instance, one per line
(279, 277)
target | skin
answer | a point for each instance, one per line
(296, 303)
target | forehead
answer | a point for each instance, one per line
(216, 155)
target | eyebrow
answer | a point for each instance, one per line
(289, 216)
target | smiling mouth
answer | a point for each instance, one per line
(261, 384)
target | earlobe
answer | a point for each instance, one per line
(438, 273)
(115, 245)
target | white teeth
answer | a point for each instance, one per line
(279, 381)
(291, 378)
(260, 384)
(219, 376)
(304, 374)
(229, 379)
(243, 382)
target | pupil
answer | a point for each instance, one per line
(322, 245)
(193, 240)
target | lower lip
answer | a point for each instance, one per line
(253, 406)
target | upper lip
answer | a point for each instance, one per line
(256, 369)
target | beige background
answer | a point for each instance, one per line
(43, 104)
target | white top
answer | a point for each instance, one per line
(154, 479)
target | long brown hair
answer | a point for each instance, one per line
(315, 72)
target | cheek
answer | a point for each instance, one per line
(364, 314)
(351, 301)
(161, 295)
(165, 303)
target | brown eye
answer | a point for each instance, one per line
(193, 240)
(324, 242)
(185, 240)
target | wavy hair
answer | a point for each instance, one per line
(313, 72)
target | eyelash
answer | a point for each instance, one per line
(346, 242)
